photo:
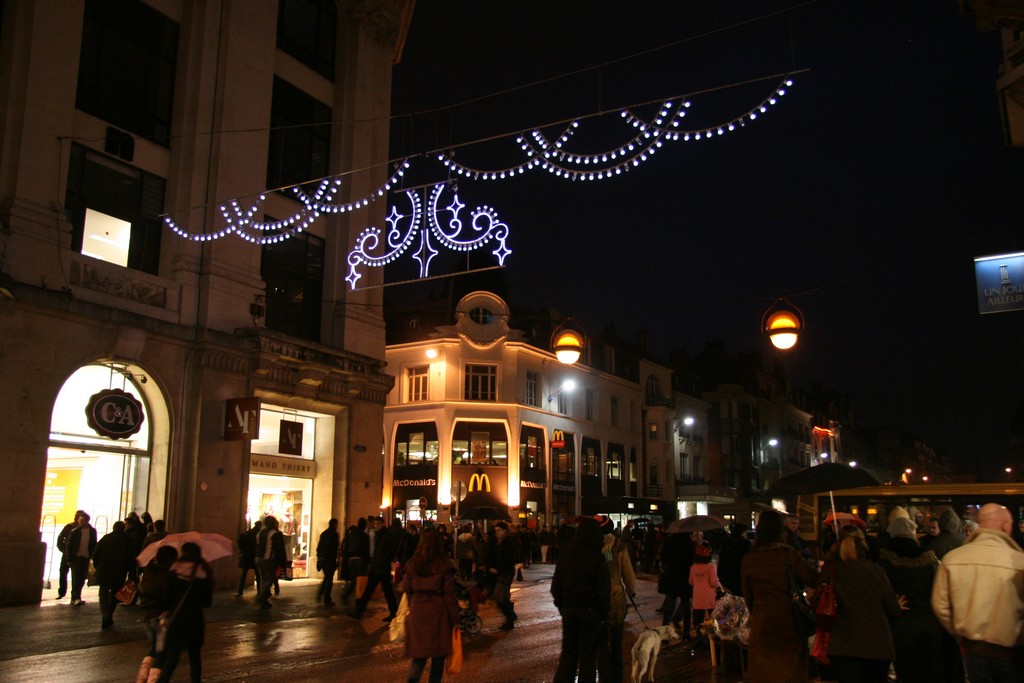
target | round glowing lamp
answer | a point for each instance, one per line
(568, 342)
(782, 323)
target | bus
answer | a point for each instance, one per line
(874, 503)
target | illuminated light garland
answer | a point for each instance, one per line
(663, 127)
(482, 227)
(240, 222)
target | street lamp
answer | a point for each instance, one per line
(782, 323)
(567, 385)
(568, 341)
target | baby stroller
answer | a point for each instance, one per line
(469, 595)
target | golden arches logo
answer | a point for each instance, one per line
(480, 482)
(558, 435)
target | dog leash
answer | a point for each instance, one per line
(633, 602)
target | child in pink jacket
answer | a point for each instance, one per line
(704, 579)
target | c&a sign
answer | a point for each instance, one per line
(114, 413)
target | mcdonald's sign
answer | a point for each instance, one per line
(480, 482)
(558, 439)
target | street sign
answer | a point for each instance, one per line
(459, 490)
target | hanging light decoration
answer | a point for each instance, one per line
(782, 323)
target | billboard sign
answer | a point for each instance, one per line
(1000, 282)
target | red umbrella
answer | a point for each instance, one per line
(844, 518)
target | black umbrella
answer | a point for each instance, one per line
(819, 478)
(486, 512)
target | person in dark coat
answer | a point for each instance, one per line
(80, 546)
(917, 635)
(730, 558)
(676, 558)
(429, 585)
(247, 556)
(502, 558)
(270, 557)
(581, 588)
(65, 559)
(327, 560)
(777, 653)
(136, 532)
(154, 595)
(951, 534)
(113, 560)
(355, 556)
(189, 594)
(861, 643)
(158, 532)
(383, 549)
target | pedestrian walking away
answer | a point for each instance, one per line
(247, 556)
(154, 597)
(977, 597)
(383, 549)
(502, 560)
(355, 556)
(581, 588)
(429, 583)
(191, 591)
(113, 559)
(327, 560)
(623, 586)
(270, 557)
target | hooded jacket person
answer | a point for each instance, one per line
(951, 534)
(581, 588)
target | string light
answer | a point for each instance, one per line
(483, 226)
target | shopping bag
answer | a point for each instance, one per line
(396, 629)
(126, 593)
(285, 572)
(820, 649)
(454, 663)
(90, 577)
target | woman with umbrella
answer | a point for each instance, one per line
(187, 596)
(777, 652)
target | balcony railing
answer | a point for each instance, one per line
(653, 491)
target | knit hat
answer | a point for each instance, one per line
(898, 512)
(902, 527)
(607, 525)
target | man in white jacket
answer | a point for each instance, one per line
(978, 596)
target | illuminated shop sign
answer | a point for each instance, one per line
(1000, 282)
(114, 413)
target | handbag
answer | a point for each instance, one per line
(396, 629)
(126, 593)
(803, 616)
(453, 665)
(826, 606)
(819, 650)
(285, 571)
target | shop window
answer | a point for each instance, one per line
(590, 458)
(297, 439)
(126, 68)
(652, 431)
(416, 444)
(293, 271)
(307, 30)
(300, 137)
(114, 210)
(480, 444)
(416, 380)
(563, 457)
(531, 447)
(481, 383)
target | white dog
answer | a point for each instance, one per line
(645, 651)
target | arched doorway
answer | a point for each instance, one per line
(107, 476)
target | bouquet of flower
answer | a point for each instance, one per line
(731, 618)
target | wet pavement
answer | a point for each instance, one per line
(298, 640)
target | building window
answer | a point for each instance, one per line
(114, 210)
(479, 443)
(300, 137)
(653, 388)
(609, 360)
(481, 383)
(563, 403)
(590, 398)
(531, 449)
(307, 30)
(615, 411)
(653, 476)
(293, 270)
(416, 380)
(615, 457)
(652, 431)
(532, 382)
(563, 459)
(126, 67)
(481, 316)
(416, 444)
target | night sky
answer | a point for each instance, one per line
(863, 195)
